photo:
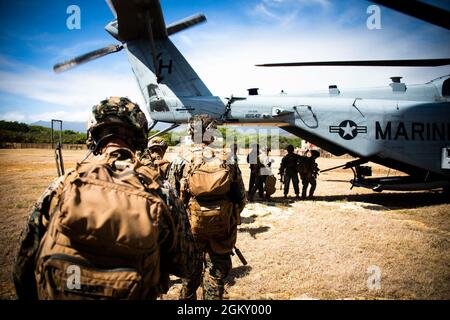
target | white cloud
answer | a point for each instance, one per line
(72, 90)
(276, 11)
(13, 116)
(285, 11)
(186, 40)
(73, 93)
(64, 115)
(225, 59)
(322, 3)
(260, 9)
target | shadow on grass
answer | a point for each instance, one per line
(392, 200)
(249, 220)
(277, 202)
(254, 231)
(236, 273)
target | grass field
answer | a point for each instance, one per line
(321, 249)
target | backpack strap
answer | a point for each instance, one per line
(121, 163)
(185, 192)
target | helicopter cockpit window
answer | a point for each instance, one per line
(446, 88)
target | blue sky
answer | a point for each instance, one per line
(238, 34)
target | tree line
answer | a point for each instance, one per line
(13, 131)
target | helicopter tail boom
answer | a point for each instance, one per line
(165, 78)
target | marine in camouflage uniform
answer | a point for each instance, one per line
(264, 172)
(308, 173)
(255, 183)
(117, 129)
(154, 155)
(214, 251)
(289, 170)
(232, 157)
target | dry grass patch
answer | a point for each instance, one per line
(296, 250)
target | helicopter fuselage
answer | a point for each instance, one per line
(411, 136)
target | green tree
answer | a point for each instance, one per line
(23, 133)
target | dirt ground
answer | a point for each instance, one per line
(332, 247)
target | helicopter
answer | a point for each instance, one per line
(401, 126)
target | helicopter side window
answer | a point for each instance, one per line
(446, 88)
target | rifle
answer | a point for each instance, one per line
(348, 165)
(240, 255)
(281, 180)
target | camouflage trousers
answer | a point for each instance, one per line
(210, 273)
(288, 177)
(306, 182)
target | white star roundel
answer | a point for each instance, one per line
(348, 129)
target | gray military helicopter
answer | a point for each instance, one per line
(404, 127)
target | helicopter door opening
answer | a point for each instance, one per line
(160, 107)
(446, 88)
(156, 103)
(304, 115)
(446, 158)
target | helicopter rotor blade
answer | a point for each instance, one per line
(111, 7)
(417, 9)
(185, 23)
(60, 67)
(365, 63)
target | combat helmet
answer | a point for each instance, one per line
(290, 148)
(203, 122)
(117, 116)
(315, 154)
(157, 142)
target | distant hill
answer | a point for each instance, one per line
(67, 125)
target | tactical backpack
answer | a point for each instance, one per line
(210, 207)
(163, 166)
(102, 239)
(309, 169)
(270, 185)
